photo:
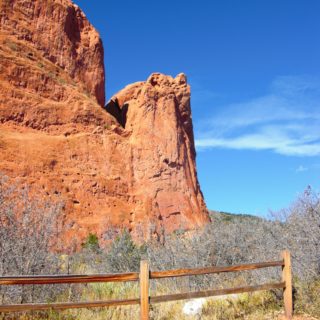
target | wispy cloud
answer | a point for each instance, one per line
(285, 121)
(301, 168)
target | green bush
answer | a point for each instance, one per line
(91, 243)
(124, 255)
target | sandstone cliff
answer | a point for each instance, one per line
(135, 169)
(51, 57)
(156, 117)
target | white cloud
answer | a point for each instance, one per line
(286, 121)
(301, 169)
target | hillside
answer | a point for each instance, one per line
(233, 217)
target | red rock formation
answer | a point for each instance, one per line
(51, 57)
(156, 115)
(55, 137)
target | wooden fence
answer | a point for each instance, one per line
(144, 277)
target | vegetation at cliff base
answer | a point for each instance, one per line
(229, 239)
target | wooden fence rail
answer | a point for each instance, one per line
(144, 278)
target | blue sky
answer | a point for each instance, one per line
(254, 72)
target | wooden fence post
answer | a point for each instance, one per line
(144, 290)
(287, 279)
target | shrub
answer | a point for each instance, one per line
(91, 243)
(29, 226)
(124, 255)
(306, 297)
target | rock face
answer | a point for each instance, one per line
(156, 116)
(50, 54)
(133, 169)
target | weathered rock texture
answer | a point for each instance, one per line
(51, 57)
(160, 154)
(136, 171)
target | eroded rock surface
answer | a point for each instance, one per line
(156, 116)
(136, 171)
(50, 57)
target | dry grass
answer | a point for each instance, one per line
(264, 305)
